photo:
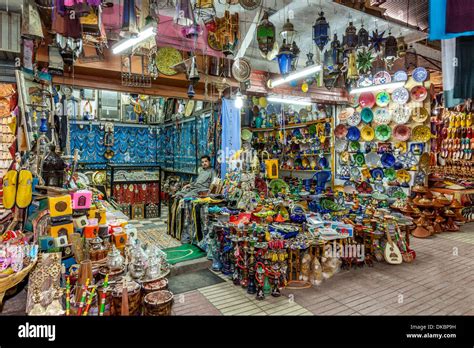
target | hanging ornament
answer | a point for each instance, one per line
(184, 15)
(266, 36)
(336, 49)
(364, 61)
(285, 58)
(351, 66)
(191, 92)
(350, 39)
(309, 62)
(193, 75)
(305, 87)
(362, 38)
(295, 51)
(321, 32)
(391, 49)
(377, 40)
(288, 32)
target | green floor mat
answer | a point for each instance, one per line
(182, 253)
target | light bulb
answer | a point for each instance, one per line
(239, 102)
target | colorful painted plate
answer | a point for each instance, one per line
(366, 115)
(420, 74)
(345, 114)
(419, 114)
(400, 75)
(340, 131)
(354, 146)
(340, 145)
(400, 95)
(382, 77)
(382, 99)
(383, 132)
(418, 93)
(354, 100)
(372, 159)
(367, 100)
(367, 133)
(166, 57)
(359, 159)
(387, 160)
(353, 133)
(403, 176)
(390, 173)
(421, 133)
(377, 174)
(401, 132)
(354, 119)
(400, 114)
(382, 116)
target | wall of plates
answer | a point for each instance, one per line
(382, 138)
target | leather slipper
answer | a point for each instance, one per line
(24, 194)
(9, 188)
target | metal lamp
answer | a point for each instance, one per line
(265, 35)
(184, 13)
(391, 47)
(350, 39)
(336, 49)
(362, 38)
(285, 58)
(295, 50)
(321, 32)
(193, 71)
(288, 32)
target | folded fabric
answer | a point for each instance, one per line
(437, 22)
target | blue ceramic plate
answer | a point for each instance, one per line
(353, 133)
(420, 74)
(377, 173)
(367, 115)
(400, 75)
(388, 160)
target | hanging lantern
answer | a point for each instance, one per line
(193, 71)
(350, 39)
(402, 47)
(309, 60)
(391, 47)
(336, 51)
(351, 67)
(184, 13)
(285, 58)
(321, 32)
(295, 51)
(191, 92)
(362, 38)
(288, 32)
(265, 35)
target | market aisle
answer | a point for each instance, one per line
(437, 283)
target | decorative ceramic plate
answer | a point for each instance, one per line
(241, 69)
(355, 173)
(400, 95)
(401, 132)
(390, 173)
(367, 133)
(382, 116)
(354, 119)
(367, 115)
(353, 133)
(419, 114)
(377, 174)
(365, 81)
(359, 159)
(382, 99)
(372, 159)
(383, 132)
(400, 75)
(166, 57)
(340, 145)
(250, 4)
(354, 100)
(354, 146)
(387, 160)
(345, 114)
(403, 176)
(419, 74)
(418, 93)
(421, 133)
(367, 100)
(382, 77)
(340, 131)
(401, 114)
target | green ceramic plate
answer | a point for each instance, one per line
(383, 132)
(390, 173)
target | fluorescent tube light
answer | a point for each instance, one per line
(289, 101)
(146, 33)
(295, 76)
(374, 88)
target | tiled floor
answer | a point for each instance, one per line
(438, 282)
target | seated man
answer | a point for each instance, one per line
(202, 183)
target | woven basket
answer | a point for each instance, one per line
(158, 303)
(13, 280)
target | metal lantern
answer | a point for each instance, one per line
(362, 38)
(184, 13)
(350, 39)
(336, 51)
(193, 71)
(295, 50)
(321, 32)
(402, 46)
(285, 58)
(391, 47)
(288, 32)
(265, 35)
(309, 60)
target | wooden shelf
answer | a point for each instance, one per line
(288, 126)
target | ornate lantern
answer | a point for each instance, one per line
(402, 47)
(350, 39)
(184, 13)
(288, 32)
(321, 32)
(309, 60)
(285, 58)
(363, 38)
(391, 47)
(336, 51)
(265, 35)
(295, 50)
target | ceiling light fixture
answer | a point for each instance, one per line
(147, 32)
(374, 88)
(293, 101)
(294, 76)
(239, 102)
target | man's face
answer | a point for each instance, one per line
(205, 163)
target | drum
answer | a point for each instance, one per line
(158, 303)
(134, 297)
